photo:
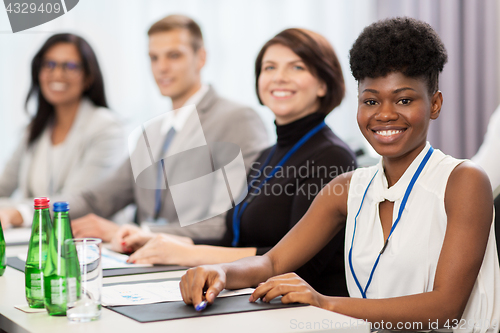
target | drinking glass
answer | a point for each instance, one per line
(84, 291)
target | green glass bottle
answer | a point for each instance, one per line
(3, 260)
(56, 269)
(37, 253)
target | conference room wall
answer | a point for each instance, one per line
(234, 31)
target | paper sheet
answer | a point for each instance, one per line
(151, 292)
(110, 260)
(27, 309)
(17, 235)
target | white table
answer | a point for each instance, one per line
(300, 319)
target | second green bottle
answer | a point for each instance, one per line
(56, 270)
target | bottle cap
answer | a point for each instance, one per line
(62, 206)
(42, 203)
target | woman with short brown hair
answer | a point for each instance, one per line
(298, 77)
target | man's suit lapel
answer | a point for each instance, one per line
(207, 102)
(189, 136)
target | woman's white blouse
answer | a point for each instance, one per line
(408, 265)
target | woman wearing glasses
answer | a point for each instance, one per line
(72, 141)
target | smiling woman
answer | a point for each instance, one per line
(394, 113)
(419, 245)
(298, 77)
(287, 86)
(73, 140)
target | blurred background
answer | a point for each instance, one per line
(234, 31)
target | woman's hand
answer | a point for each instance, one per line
(291, 287)
(129, 238)
(10, 217)
(164, 249)
(92, 225)
(202, 283)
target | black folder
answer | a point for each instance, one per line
(178, 310)
(19, 264)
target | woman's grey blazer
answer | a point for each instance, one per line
(94, 147)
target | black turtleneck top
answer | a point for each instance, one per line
(284, 199)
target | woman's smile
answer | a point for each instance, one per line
(282, 93)
(388, 134)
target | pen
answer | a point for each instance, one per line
(201, 306)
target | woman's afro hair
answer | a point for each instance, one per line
(400, 44)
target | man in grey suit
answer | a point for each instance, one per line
(177, 57)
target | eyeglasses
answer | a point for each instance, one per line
(69, 67)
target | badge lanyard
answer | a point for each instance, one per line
(240, 208)
(401, 209)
